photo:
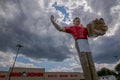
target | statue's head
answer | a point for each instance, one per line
(76, 21)
(97, 27)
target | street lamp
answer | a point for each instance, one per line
(116, 57)
(18, 48)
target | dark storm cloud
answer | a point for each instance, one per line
(17, 29)
(25, 22)
(10, 29)
(106, 47)
(104, 7)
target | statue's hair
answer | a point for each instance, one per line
(102, 19)
(75, 19)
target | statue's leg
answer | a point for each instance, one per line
(86, 61)
(85, 66)
(91, 66)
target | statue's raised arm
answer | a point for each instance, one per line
(58, 27)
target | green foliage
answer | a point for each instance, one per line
(118, 77)
(117, 68)
(105, 71)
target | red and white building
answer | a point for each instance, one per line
(38, 74)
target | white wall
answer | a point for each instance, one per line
(108, 77)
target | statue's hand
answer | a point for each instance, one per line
(96, 28)
(52, 18)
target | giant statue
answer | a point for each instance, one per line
(80, 34)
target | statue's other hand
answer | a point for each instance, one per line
(52, 18)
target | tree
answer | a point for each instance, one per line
(117, 68)
(105, 71)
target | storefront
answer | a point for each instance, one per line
(39, 74)
(64, 76)
(3, 75)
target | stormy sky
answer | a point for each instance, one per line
(27, 22)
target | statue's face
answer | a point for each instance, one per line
(77, 22)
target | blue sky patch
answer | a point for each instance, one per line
(62, 10)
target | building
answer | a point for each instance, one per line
(38, 74)
(108, 77)
(3, 75)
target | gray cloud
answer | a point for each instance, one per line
(29, 24)
(106, 47)
(104, 7)
(33, 32)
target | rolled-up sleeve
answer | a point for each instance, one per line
(68, 29)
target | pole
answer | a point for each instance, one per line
(116, 57)
(9, 76)
(117, 62)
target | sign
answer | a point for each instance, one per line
(26, 74)
(2, 76)
(62, 75)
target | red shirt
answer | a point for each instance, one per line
(78, 32)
